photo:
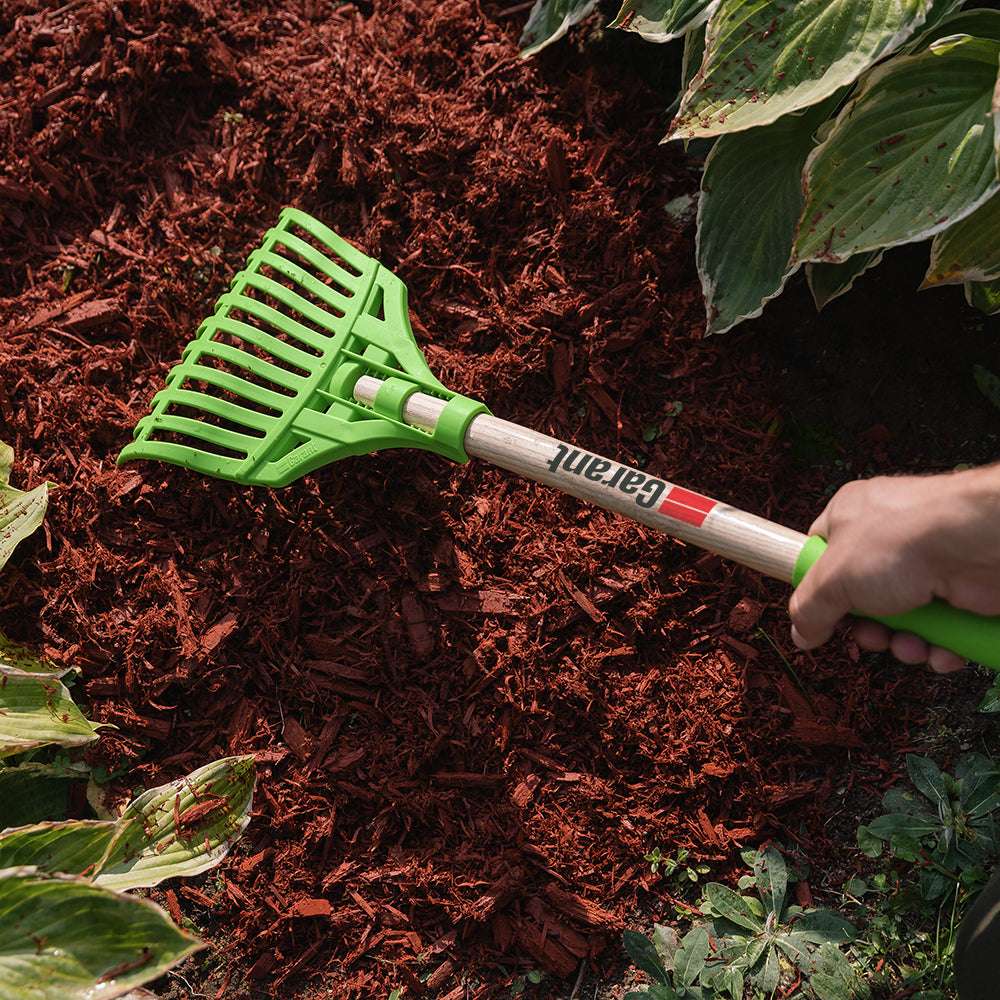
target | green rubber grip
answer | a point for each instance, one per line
(974, 637)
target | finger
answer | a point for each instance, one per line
(871, 636)
(819, 603)
(909, 648)
(944, 661)
(821, 526)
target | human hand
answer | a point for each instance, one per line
(894, 545)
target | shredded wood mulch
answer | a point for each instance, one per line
(475, 703)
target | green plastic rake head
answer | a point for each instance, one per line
(264, 394)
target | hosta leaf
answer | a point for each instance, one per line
(771, 874)
(20, 513)
(911, 154)
(662, 20)
(16, 657)
(549, 20)
(743, 250)
(829, 281)
(984, 296)
(690, 957)
(63, 938)
(32, 792)
(980, 22)
(768, 58)
(181, 828)
(73, 847)
(968, 250)
(733, 907)
(822, 927)
(36, 710)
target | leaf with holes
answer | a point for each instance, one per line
(549, 20)
(47, 952)
(769, 58)
(911, 154)
(181, 828)
(663, 20)
(20, 512)
(968, 250)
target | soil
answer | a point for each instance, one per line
(475, 703)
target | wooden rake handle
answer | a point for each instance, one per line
(735, 534)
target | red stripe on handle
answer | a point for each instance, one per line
(683, 505)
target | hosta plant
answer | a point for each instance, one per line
(837, 129)
(68, 930)
(944, 822)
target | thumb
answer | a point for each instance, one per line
(819, 602)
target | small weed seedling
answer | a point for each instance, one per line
(947, 825)
(520, 984)
(675, 865)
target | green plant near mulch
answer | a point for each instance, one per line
(946, 823)
(940, 831)
(837, 129)
(68, 928)
(748, 941)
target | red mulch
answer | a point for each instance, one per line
(476, 704)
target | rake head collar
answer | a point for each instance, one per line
(264, 394)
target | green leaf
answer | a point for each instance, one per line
(903, 825)
(735, 908)
(73, 847)
(690, 957)
(666, 942)
(20, 513)
(835, 978)
(968, 250)
(870, 844)
(912, 153)
(38, 710)
(927, 778)
(771, 874)
(769, 58)
(984, 296)
(824, 927)
(770, 975)
(989, 386)
(694, 52)
(829, 281)
(990, 705)
(32, 792)
(213, 805)
(744, 249)
(643, 953)
(980, 22)
(48, 951)
(663, 20)
(549, 20)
